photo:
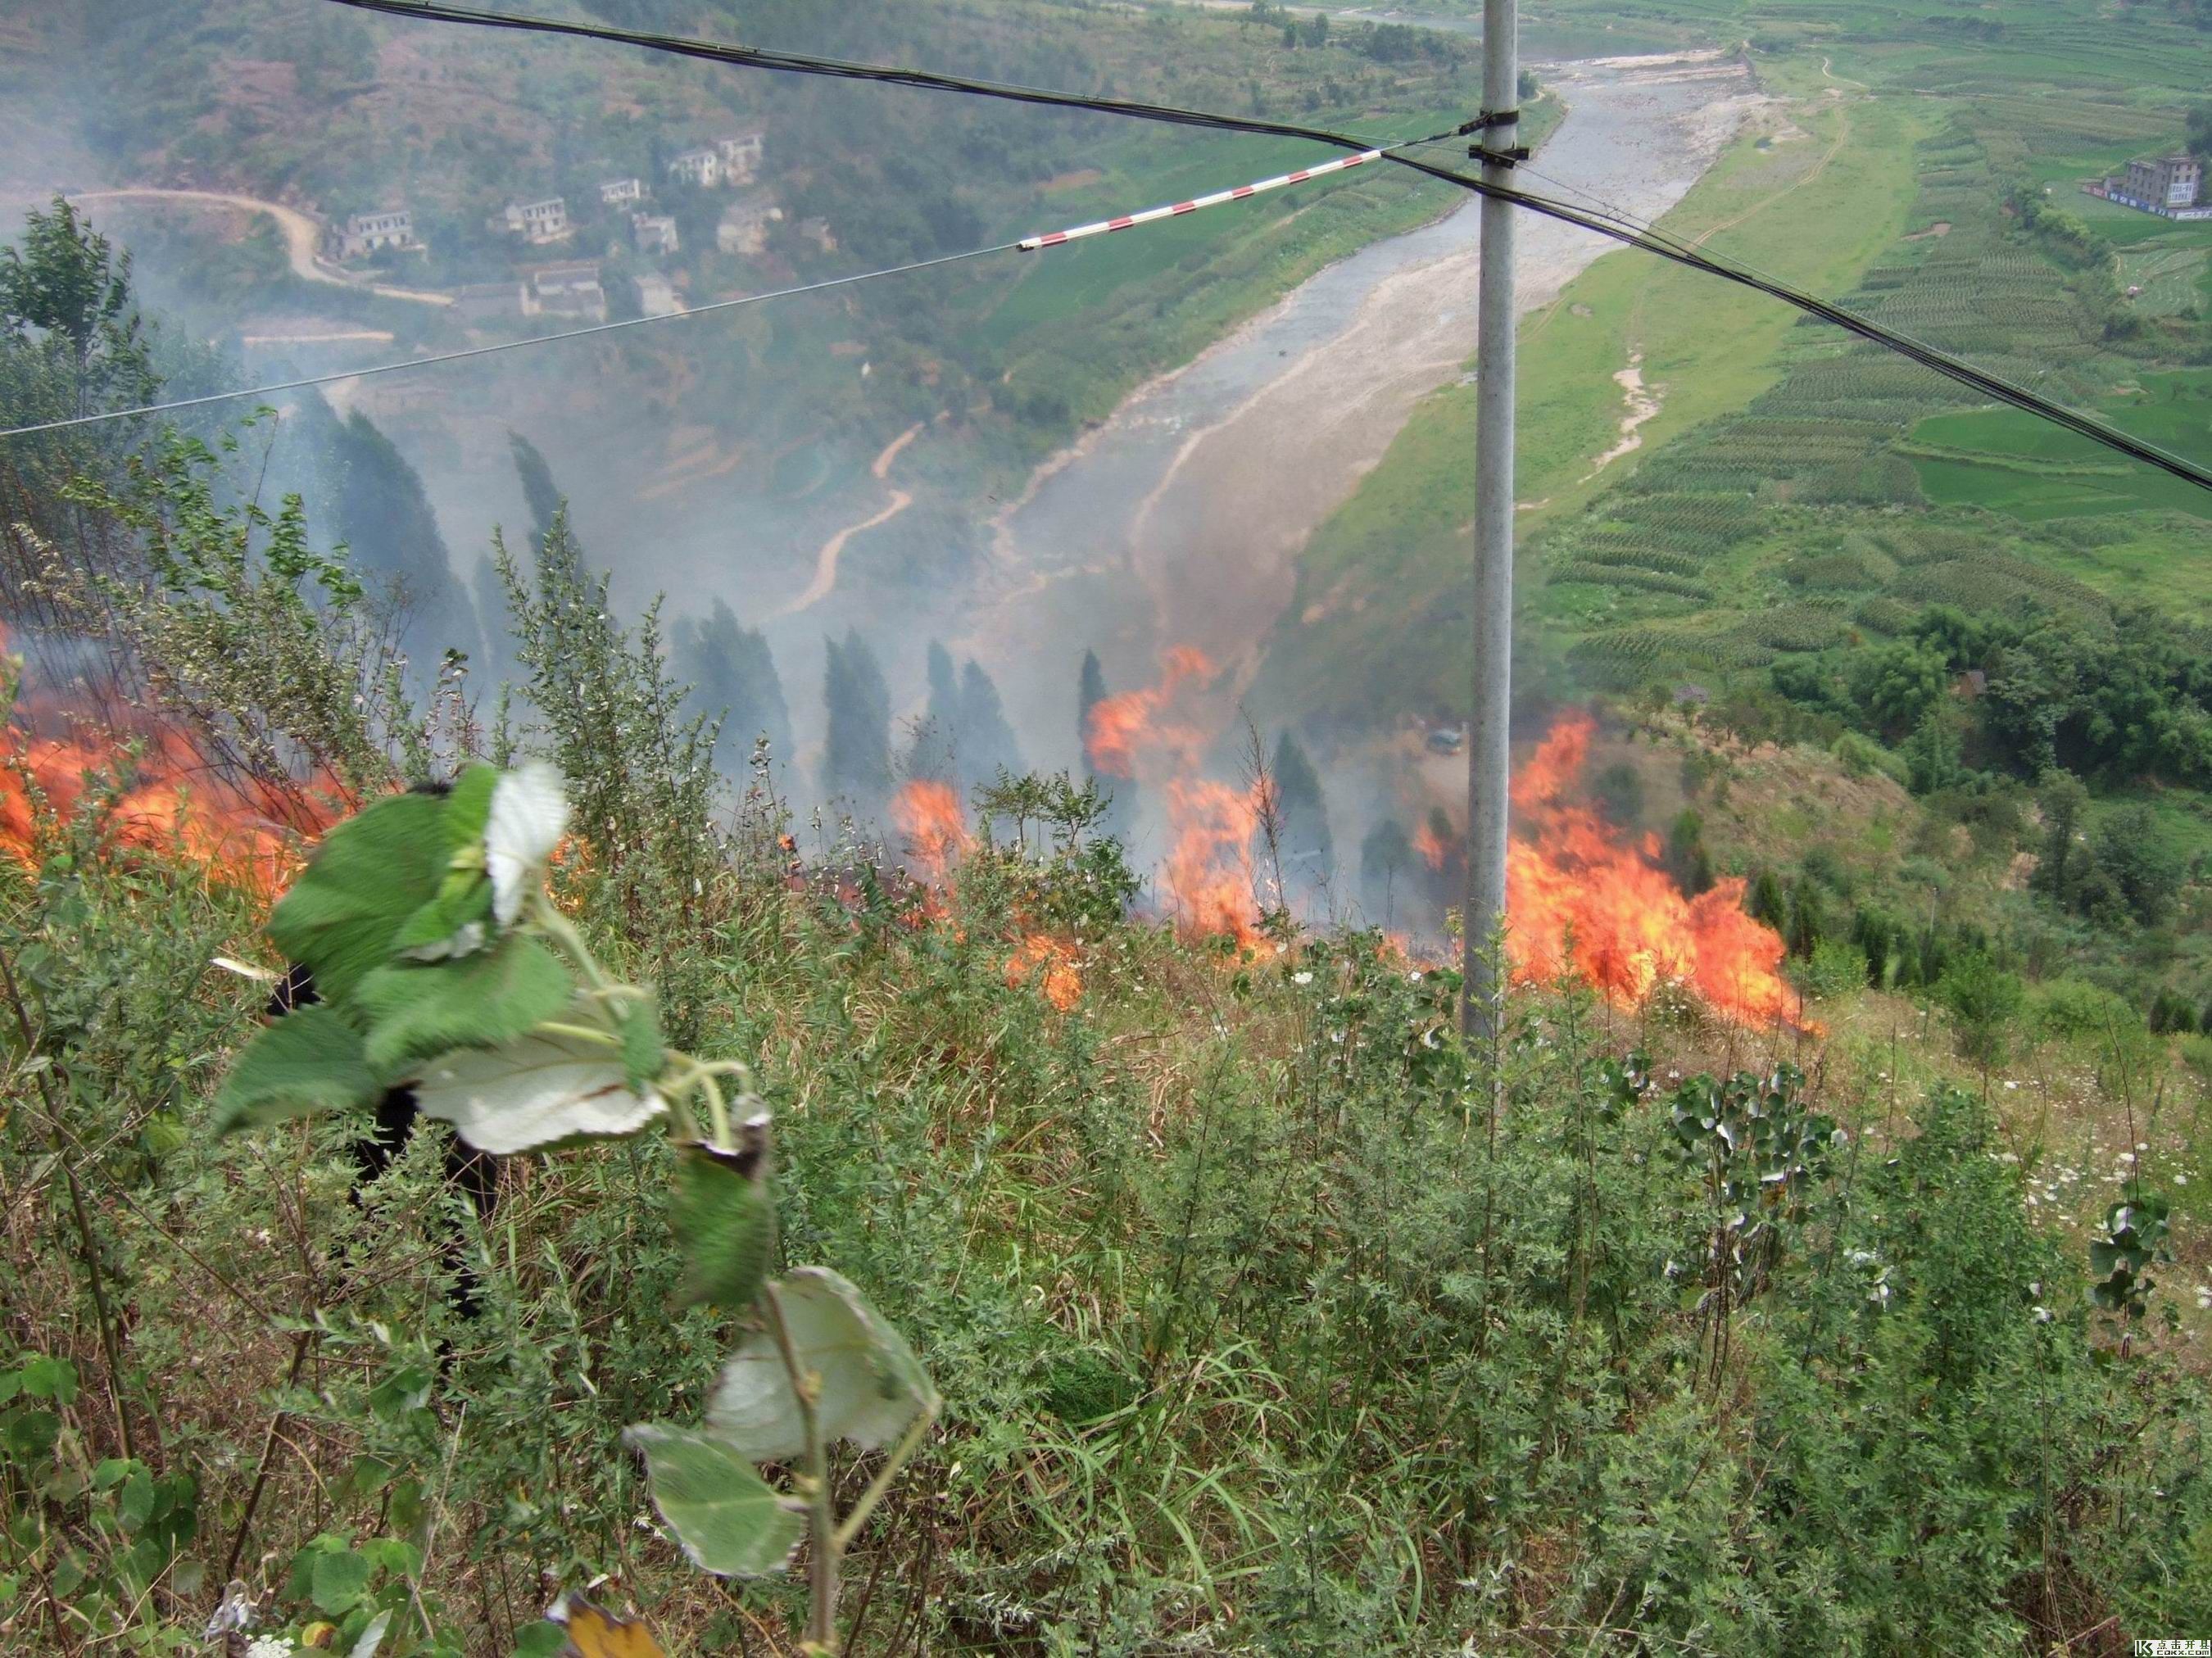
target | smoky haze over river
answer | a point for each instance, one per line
(1178, 521)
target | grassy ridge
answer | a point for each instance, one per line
(1706, 346)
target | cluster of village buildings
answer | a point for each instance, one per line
(2172, 186)
(574, 288)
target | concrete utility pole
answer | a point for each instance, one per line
(1488, 762)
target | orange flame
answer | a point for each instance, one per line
(927, 813)
(1145, 734)
(1578, 898)
(1209, 867)
(1431, 846)
(168, 797)
(1121, 726)
(1052, 963)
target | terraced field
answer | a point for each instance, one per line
(1857, 488)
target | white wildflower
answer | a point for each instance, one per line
(529, 814)
(1302, 978)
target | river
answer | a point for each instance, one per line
(1179, 519)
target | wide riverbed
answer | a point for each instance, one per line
(1178, 521)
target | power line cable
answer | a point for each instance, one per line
(1602, 223)
(502, 345)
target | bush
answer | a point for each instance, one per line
(2074, 1008)
(1836, 967)
(1984, 1002)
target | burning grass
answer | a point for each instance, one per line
(152, 787)
(1580, 898)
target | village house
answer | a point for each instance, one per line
(656, 296)
(365, 233)
(535, 221)
(741, 153)
(571, 289)
(744, 227)
(2166, 181)
(482, 302)
(2172, 186)
(614, 193)
(653, 233)
(702, 166)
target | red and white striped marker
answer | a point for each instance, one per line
(1032, 244)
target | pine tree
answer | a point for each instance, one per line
(985, 743)
(1765, 901)
(856, 762)
(539, 493)
(733, 679)
(1121, 818)
(1090, 692)
(384, 516)
(1385, 856)
(1309, 855)
(496, 623)
(934, 753)
(1808, 921)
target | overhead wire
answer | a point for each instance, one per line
(1605, 223)
(1601, 223)
(405, 363)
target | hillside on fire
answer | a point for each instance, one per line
(797, 857)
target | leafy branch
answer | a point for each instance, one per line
(441, 963)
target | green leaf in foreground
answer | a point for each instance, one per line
(310, 1060)
(537, 1091)
(457, 921)
(725, 1221)
(338, 1580)
(371, 873)
(872, 1385)
(468, 807)
(642, 1055)
(729, 1519)
(419, 1010)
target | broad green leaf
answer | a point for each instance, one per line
(541, 1639)
(725, 1219)
(337, 1580)
(538, 1091)
(134, 1503)
(310, 1060)
(457, 921)
(729, 1519)
(45, 1377)
(468, 808)
(872, 1385)
(529, 815)
(417, 1010)
(30, 1434)
(370, 874)
(642, 1058)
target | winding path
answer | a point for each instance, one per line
(826, 561)
(301, 236)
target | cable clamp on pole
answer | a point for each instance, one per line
(1498, 157)
(1487, 120)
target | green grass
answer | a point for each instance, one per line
(2012, 463)
(1709, 348)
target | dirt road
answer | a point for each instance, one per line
(303, 235)
(826, 561)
